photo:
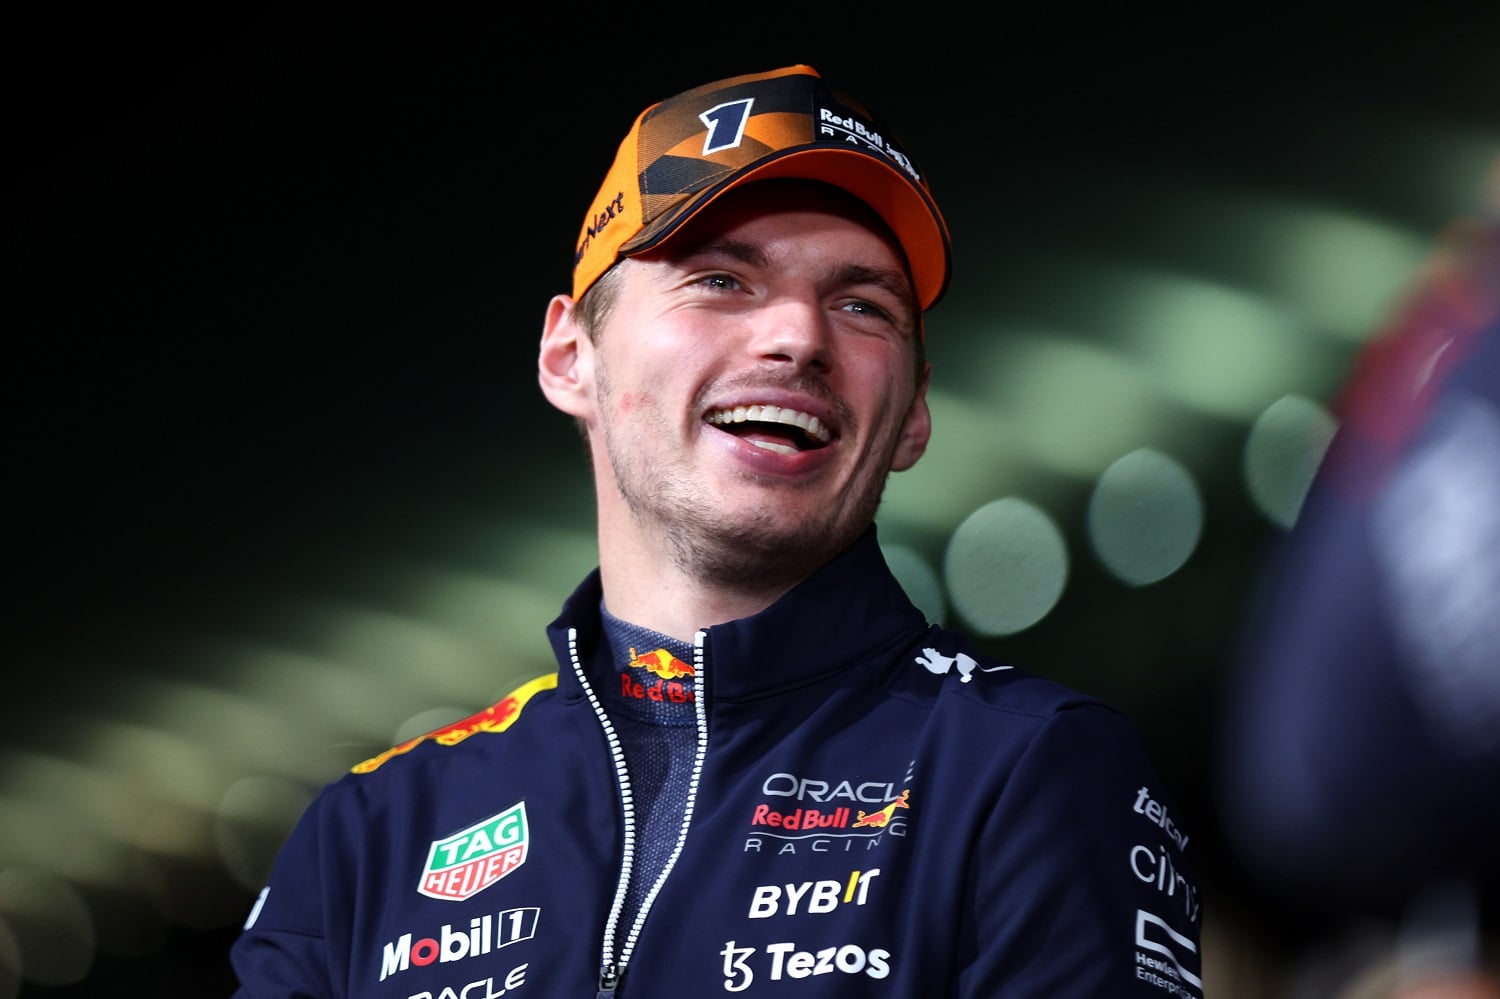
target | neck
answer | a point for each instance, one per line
(649, 585)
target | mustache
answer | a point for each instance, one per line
(800, 383)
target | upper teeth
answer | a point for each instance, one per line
(809, 424)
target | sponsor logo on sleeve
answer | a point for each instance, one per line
(466, 863)
(1160, 955)
(1153, 867)
(1157, 813)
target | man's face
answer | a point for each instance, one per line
(754, 383)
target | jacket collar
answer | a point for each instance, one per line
(850, 610)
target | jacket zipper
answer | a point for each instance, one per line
(612, 966)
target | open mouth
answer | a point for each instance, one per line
(785, 431)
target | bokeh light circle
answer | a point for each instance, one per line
(1006, 566)
(919, 580)
(254, 817)
(1145, 517)
(1283, 450)
(52, 926)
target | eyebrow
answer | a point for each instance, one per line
(893, 281)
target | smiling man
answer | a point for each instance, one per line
(758, 768)
(750, 386)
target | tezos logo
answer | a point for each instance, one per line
(468, 862)
(786, 961)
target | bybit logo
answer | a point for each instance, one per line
(812, 897)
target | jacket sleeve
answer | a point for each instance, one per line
(283, 951)
(1082, 884)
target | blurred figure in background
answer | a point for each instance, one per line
(1361, 763)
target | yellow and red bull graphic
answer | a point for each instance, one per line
(882, 818)
(670, 672)
(495, 718)
(466, 863)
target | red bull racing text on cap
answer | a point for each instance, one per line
(685, 151)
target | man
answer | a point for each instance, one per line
(758, 768)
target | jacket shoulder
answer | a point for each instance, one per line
(496, 718)
(959, 670)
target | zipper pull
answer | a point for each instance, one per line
(609, 980)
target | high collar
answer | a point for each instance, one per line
(839, 616)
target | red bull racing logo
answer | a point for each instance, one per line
(468, 862)
(670, 672)
(822, 824)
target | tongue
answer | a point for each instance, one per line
(781, 443)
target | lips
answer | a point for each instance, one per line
(775, 428)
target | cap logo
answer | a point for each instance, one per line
(615, 208)
(856, 133)
(726, 125)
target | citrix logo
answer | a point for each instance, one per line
(1156, 869)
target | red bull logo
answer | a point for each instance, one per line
(668, 668)
(802, 818)
(882, 818)
(662, 663)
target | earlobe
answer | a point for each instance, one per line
(916, 431)
(562, 362)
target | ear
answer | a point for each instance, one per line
(917, 430)
(565, 361)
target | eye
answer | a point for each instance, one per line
(719, 281)
(863, 308)
(871, 314)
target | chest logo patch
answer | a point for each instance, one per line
(466, 863)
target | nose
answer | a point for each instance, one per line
(794, 329)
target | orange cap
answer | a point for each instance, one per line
(685, 151)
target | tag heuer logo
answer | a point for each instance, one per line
(468, 862)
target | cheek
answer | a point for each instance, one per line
(631, 401)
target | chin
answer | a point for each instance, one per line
(760, 552)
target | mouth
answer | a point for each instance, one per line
(775, 428)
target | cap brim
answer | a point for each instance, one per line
(907, 209)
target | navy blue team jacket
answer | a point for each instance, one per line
(875, 811)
